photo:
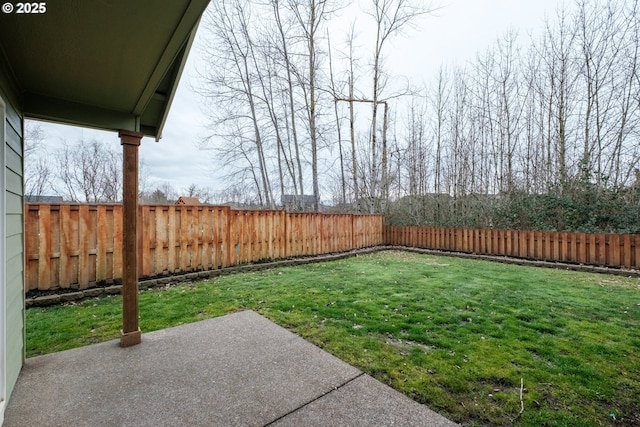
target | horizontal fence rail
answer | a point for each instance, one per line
(77, 246)
(609, 250)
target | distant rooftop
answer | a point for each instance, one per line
(191, 201)
(38, 198)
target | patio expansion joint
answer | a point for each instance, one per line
(336, 388)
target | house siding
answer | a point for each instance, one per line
(14, 237)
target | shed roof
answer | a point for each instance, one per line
(105, 64)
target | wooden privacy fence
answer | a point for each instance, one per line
(76, 246)
(610, 250)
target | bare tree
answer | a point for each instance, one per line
(159, 194)
(288, 69)
(413, 161)
(231, 80)
(310, 15)
(440, 100)
(338, 123)
(508, 107)
(558, 59)
(390, 17)
(38, 173)
(89, 171)
(203, 194)
(352, 136)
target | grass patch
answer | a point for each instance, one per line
(455, 334)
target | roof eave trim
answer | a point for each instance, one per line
(182, 35)
(184, 54)
(46, 108)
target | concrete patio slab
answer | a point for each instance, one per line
(364, 402)
(236, 370)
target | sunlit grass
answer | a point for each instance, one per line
(457, 335)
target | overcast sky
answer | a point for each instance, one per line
(452, 35)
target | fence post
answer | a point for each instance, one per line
(130, 333)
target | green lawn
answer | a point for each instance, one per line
(460, 336)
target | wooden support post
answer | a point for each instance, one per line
(130, 333)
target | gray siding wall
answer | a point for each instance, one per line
(14, 217)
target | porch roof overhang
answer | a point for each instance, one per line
(104, 64)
